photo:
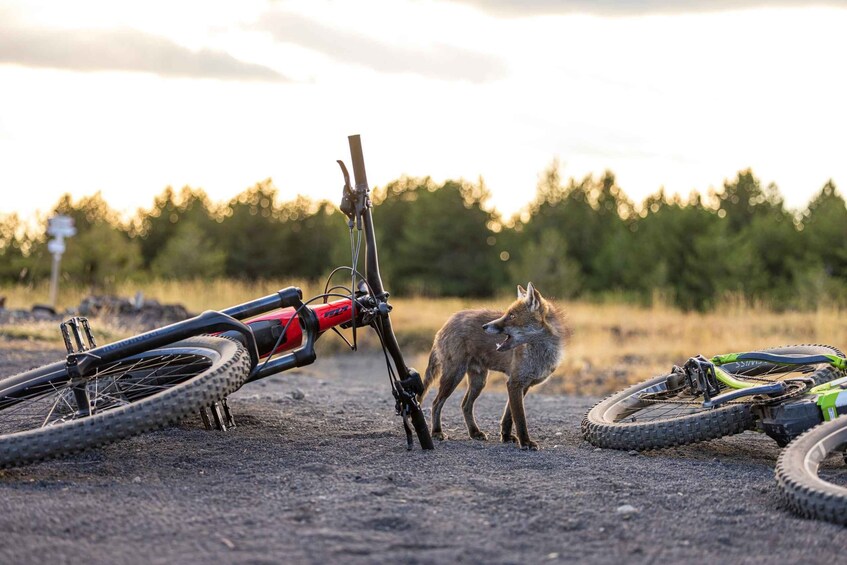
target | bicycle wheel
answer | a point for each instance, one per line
(661, 412)
(43, 414)
(811, 472)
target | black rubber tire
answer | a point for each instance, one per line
(604, 431)
(797, 473)
(230, 366)
(722, 421)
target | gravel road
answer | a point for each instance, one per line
(317, 472)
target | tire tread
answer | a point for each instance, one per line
(153, 412)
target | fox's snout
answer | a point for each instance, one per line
(492, 327)
(499, 326)
(522, 320)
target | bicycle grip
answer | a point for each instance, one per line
(361, 178)
(419, 422)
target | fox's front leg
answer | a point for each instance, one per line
(515, 406)
(506, 435)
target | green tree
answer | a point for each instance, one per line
(300, 238)
(189, 253)
(101, 252)
(250, 235)
(825, 230)
(589, 215)
(676, 250)
(393, 204)
(822, 274)
(155, 227)
(444, 246)
(743, 198)
(546, 264)
(12, 246)
(774, 251)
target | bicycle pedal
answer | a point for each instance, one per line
(79, 329)
(217, 416)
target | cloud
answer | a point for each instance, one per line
(438, 61)
(509, 8)
(121, 50)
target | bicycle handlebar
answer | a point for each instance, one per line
(359, 175)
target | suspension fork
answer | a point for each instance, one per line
(410, 384)
(361, 201)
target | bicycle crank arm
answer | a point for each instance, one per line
(767, 388)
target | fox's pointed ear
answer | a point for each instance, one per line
(521, 292)
(533, 297)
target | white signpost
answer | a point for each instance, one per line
(59, 227)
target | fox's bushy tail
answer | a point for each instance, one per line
(433, 369)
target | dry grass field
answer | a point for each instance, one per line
(612, 343)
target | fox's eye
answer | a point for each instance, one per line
(511, 316)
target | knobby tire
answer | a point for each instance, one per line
(217, 367)
(798, 477)
(612, 424)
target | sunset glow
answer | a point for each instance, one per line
(129, 97)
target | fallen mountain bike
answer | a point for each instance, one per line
(782, 392)
(811, 472)
(99, 394)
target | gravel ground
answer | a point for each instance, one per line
(324, 476)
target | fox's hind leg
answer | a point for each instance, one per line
(477, 377)
(451, 375)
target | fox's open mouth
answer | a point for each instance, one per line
(502, 344)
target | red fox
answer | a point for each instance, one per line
(472, 342)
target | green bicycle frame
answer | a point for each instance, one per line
(729, 380)
(834, 360)
(831, 395)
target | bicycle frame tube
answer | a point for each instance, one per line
(831, 397)
(797, 359)
(765, 357)
(840, 383)
(729, 380)
(329, 315)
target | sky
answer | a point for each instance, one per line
(129, 97)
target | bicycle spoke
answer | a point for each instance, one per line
(52, 409)
(660, 406)
(63, 397)
(112, 386)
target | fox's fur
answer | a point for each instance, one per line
(472, 342)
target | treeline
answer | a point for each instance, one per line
(580, 238)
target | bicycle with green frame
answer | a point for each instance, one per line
(782, 392)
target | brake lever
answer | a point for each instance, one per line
(348, 197)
